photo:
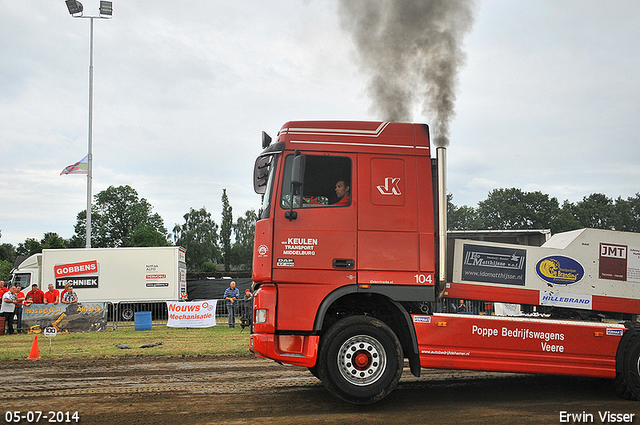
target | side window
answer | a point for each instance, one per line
(327, 182)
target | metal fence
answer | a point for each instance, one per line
(122, 314)
(459, 305)
(488, 308)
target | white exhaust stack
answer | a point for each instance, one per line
(441, 159)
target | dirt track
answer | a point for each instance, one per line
(243, 389)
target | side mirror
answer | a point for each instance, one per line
(266, 140)
(297, 170)
(297, 179)
(261, 174)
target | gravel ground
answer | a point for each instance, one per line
(244, 389)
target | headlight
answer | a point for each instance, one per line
(261, 315)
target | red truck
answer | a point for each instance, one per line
(351, 252)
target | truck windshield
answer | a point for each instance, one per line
(22, 279)
(264, 177)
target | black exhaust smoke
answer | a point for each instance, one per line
(411, 50)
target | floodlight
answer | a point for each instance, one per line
(75, 7)
(106, 8)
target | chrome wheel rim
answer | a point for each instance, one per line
(362, 360)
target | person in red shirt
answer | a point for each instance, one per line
(343, 192)
(18, 310)
(36, 294)
(3, 289)
(52, 295)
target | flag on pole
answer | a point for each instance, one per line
(80, 167)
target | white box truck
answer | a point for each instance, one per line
(124, 276)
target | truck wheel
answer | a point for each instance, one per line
(627, 382)
(360, 360)
(314, 371)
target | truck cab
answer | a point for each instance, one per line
(28, 272)
(348, 224)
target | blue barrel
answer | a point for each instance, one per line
(142, 321)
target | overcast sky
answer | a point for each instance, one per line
(548, 100)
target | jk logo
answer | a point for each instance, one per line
(390, 186)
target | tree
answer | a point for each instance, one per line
(29, 247)
(52, 240)
(225, 230)
(596, 211)
(8, 252)
(117, 214)
(627, 214)
(566, 221)
(199, 236)
(146, 236)
(514, 209)
(462, 218)
(634, 217)
(506, 209)
(79, 239)
(244, 230)
(5, 269)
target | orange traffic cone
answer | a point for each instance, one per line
(35, 353)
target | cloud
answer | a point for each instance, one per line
(547, 99)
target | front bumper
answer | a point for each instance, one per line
(299, 350)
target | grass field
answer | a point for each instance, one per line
(175, 341)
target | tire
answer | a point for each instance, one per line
(314, 371)
(627, 382)
(360, 360)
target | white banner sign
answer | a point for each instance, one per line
(561, 299)
(192, 314)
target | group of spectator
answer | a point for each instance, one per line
(13, 300)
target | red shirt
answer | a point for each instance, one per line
(37, 295)
(346, 200)
(51, 296)
(19, 298)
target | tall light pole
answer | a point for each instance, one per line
(106, 10)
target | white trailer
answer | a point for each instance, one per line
(586, 270)
(116, 275)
